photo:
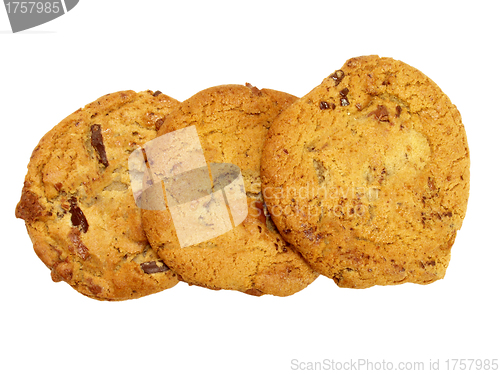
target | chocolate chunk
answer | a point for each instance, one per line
(337, 76)
(157, 93)
(324, 105)
(398, 111)
(62, 270)
(94, 288)
(29, 208)
(254, 292)
(343, 97)
(76, 245)
(98, 144)
(254, 89)
(152, 267)
(77, 217)
(381, 114)
(158, 123)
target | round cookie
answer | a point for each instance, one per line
(368, 175)
(231, 122)
(77, 202)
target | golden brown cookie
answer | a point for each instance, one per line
(231, 122)
(78, 205)
(368, 175)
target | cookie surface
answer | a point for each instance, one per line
(231, 122)
(78, 205)
(368, 175)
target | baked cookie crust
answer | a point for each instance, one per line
(77, 202)
(231, 122)
(368, 175)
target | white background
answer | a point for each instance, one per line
(183, 47)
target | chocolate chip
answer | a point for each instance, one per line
(62, 270)
(337, 76)
(157, 93)
(94, 288)
(381, 114)
(324, 105)
(158, 123)
(152, 267)
(343, 97)
(98, 144)
(77, 245)
(77, 217)
(254, 89)
(398, 111)
(29, 208)
(254, 292)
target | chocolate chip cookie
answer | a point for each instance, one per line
(244, 253)
(77, 202)
(368, 175)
